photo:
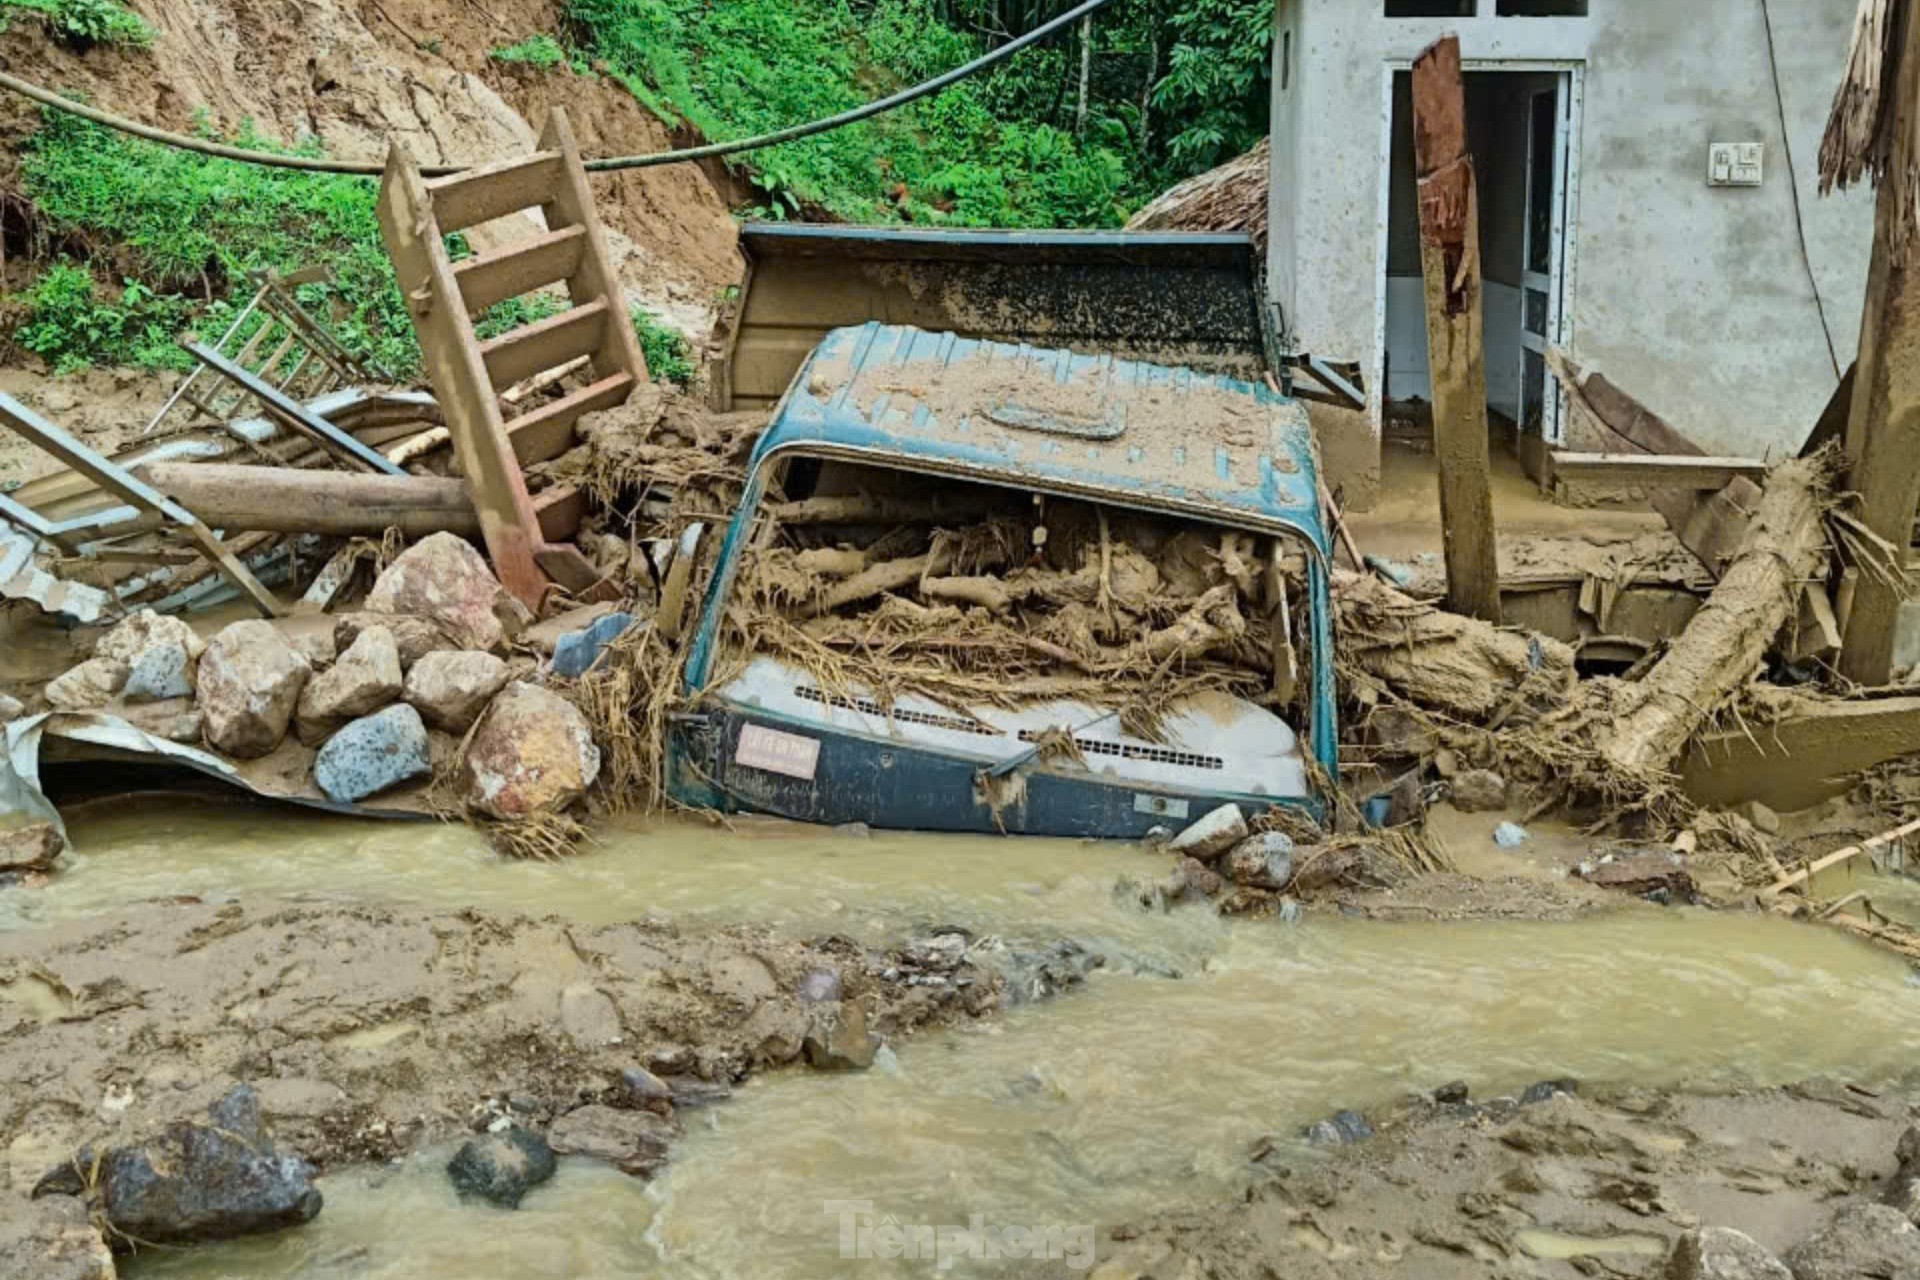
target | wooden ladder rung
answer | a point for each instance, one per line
(521, 267)
(560, 509)
(537, 347)
(492, 191)
(547, 432)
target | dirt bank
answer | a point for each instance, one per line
(369, 1030)
(1570, 1186)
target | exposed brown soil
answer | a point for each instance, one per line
(1454, 1192)
(371, 1030)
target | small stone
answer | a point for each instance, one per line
(1212, 835)
(443, 578)
(636, 1142)
(819, 986)
(451, 687)
(89, 686)
(1546, 1090)
(1721, 1253)
(641, 1088)
(1764, 819)
(30, 848)
(845, 1044)
(531, 753)
(372, 754)
(249, 684)
(1451, 1093)
(501, 1168)
(10, 708)
(575, 653)
(1339, 1129)
(361, 680)
(1478, 791)
(1264, 861)
(1157, 837)
(1511, 835)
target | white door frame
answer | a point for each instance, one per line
(1567, 222)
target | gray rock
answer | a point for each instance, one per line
(249, 684)
(1862, 1242)
(90, 685)
(1511, 835)
(575, 653)
(636, 1142)
(531, 753)
(10, 708)
(1478, 791)
(414, 637)
(1212, 835)
(129, 639)
(364, 678)
(443, 578)
(53, 1238)
(207, 1181)
(1451, 1093)
(501, 1168)
(819, 986)
(30, 848)
(641, 1088)
(1338, 1129)
(1546, 1090)
(451, 687)
(1263, 861)
(161, 671)
(372, 754)
(1721, 1253)
(843, 1043)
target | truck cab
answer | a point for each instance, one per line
(883, 419)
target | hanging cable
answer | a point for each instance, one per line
(1793, 186)
(609, 164)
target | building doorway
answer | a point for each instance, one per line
(1521, 125)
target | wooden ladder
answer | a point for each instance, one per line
(443, 296)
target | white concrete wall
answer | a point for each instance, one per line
(1695, 299)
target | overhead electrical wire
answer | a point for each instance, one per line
(607, 164)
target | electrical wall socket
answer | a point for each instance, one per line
(1735, 164)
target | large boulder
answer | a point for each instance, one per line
(531, 753)
(362, 679)
(53, 1238)
(1862, 1242)
(452, 687)
(1212, 835)
(250, 681)
(501, 1168)
(634, 1141)
(91, 684)
(415, 637)
(1264, 861)
(373, 754)
(1478, 791)
(1721, 1253)
(443, 578)
(159, 652)
(211, 1181)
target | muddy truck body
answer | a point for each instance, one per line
(1171, 422)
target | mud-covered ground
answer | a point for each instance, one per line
(1570, 1186)
(369, 1031)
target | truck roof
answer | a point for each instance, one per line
(1121, 431)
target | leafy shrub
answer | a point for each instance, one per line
(73, 323)
(84, 23)
(536, 51)
(668, 353)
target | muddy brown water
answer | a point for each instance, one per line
(1137, 1093)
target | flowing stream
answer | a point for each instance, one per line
(1138, 1092)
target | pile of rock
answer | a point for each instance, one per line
(424, 658)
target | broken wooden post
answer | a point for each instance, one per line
(1450, 260)
(1875, 131)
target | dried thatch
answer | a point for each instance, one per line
(1232, 197)
(1864, 138)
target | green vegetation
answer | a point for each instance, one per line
(667, 350)
(83, 23)
(535, 51)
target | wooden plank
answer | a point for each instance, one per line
(1832, 424)
(561, 509)
(572, 205)
(414, 242)
(334, 503)
(521, 267)
(295, 416)
(1450, 261)
(547, 432)
(1655, 471)
(495, 190)
(534, 348)
(1883, 430)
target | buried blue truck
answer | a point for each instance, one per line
(937, 417)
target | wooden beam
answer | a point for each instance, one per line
(1883, 427)
(1838, 856)
(1450, 260)
(1655, 471)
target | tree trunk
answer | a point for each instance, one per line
(1086, 74)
